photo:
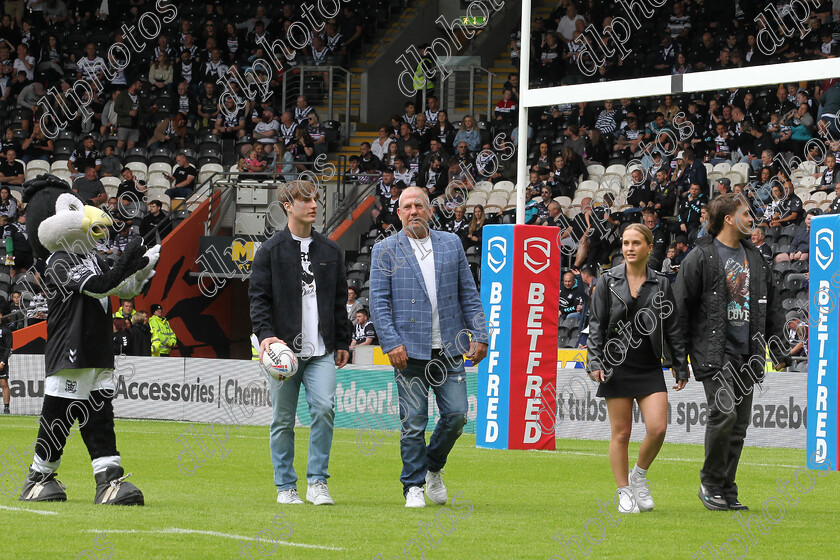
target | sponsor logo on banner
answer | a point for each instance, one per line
(825, 247)
(494, 371)
(541, 245)
(533, 337)
(496, 253)
(823, 363)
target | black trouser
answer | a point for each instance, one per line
(96, 424)
(730, 405)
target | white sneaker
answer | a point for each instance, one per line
(289, 496)
(414, 498)
(435, 489)
(318, 494)
(640, 487)
(626, 501)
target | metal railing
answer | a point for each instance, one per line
(458, 90)
(299, 88)
(227, 182)
(353, 190)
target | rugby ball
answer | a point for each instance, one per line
(279, 361)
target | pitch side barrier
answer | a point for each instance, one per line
(227, 394)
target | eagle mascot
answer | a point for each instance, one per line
(80, 385)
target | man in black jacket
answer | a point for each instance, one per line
(5, 353)
(728, 309)
(298, 291)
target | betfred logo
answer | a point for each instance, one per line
(496, 251)
(825, 247)
(535, 262)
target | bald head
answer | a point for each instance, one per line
(411, 193)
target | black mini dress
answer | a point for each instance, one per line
(639, 373)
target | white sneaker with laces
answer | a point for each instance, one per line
(289, 496)
(318, 494)
(626, 501)
(414, 498)
(640, 487)
(435, 489)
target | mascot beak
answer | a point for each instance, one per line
(96, 222)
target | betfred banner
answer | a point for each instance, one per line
(494, 371)
(520, 292)
(823, 342)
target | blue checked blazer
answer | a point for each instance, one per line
(401, 309)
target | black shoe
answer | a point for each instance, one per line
(40, 487)
(712, 498)
(111, 489)
(6, 410)
(734, 504)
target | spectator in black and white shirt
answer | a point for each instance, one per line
(607, 121)
(402, 173)
(302, 110)
(267, 131)
(829, 177)
(8, 205)
(364, 334)
(214, 68)
(287, 129)
(88, 156)
(230, 124)
(789, 209)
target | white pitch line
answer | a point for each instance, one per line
(38, 511)
(180, 531)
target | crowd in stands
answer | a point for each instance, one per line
(597, 167)
(156, 119)
(680, 36)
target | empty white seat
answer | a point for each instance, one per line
(744, 170)
(159, 169)
(207, 170)
(723, 167)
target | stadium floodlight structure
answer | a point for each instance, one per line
(643, 87)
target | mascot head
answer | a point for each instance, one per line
(58, 220)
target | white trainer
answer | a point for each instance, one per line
(414, 498)
(640, 487)
(318, 494)
(626, 501)
(289, 496)
(435, 489)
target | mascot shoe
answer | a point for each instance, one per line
(40, 487)
(111, 489)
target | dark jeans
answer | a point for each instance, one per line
(448, 380)
(730, 407)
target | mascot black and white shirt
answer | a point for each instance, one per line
(77, 324)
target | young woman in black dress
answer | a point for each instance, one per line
(632, 317)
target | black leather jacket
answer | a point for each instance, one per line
(609, 309)
(702, 297)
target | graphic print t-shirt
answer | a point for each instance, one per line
(311, 342)
(737, 272)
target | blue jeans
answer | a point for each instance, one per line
(179, 192)
(448, 380)
(318, 377)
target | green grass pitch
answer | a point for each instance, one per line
(503, 504)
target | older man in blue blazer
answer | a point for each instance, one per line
(426, 307)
